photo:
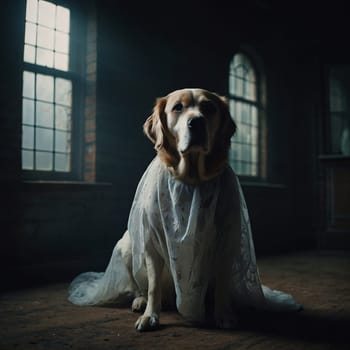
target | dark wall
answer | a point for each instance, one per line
(146, 51)
(10, 124)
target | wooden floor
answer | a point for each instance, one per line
(41, 318)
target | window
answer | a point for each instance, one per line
(245, 108)
(339, 109)
(59, 90)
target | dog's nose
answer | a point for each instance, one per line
(196, 123)
(198, 131)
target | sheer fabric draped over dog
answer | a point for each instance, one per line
(195, 229)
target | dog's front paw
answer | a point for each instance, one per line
(147, 323)
(139, 304)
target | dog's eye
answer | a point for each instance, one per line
(208, 107)
(178, 107)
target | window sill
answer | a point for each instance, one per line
(64, 185)
(328, 158)
(262, 185)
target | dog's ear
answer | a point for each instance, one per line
(154, 125)
(157, 131)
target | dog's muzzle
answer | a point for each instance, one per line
(198, 131)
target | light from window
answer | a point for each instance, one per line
(47, 30)
(47, 94)
(243, 103)
(339, 108)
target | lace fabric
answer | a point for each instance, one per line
(195, 229)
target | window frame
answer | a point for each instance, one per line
(329, 73)
(260, 104)
(75, 74)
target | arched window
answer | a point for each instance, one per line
(244, 107)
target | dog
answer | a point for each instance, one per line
(191, 131)
(189, 242)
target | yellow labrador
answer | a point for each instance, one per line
(191, 130)
(189, 235)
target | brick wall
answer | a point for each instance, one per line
(89, 171)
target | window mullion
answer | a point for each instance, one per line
(54, 128)
(35, 122)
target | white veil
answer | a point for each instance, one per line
(190, 227)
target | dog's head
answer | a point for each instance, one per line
(191, 130)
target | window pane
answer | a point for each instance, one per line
(231, 84)
(234, 152)
(62, 142)
(44, 114)
(238, 151)
(337, 93)
(242, 79)
(44, 57)
(251, 71)
(43, 161)
(27, 159)
(29, 53)
(239, 87)
(31, 11)
(27, 137)
(245, 113)
(247, 134)
(254, 112)
(238, 167)
(254, 132)
(61, 61)
(242, 133)
(28, 84)
(44, 87)
(249, 169)
(251, 91)
(30, 33)
(238, 137)
(46, 15)
(249, 111)
(243, 168)
(45, 37)
(63, 91)
(62, 118)
(62, 162)
(238, 112)
(248, 153)
(255, 169)
(44, 139)
(254, 154)
(62, 42)
(238, 59)
(28, 111)
(239, 71)
(232, 106)
(62, 19)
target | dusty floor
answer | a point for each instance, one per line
(41, 318)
